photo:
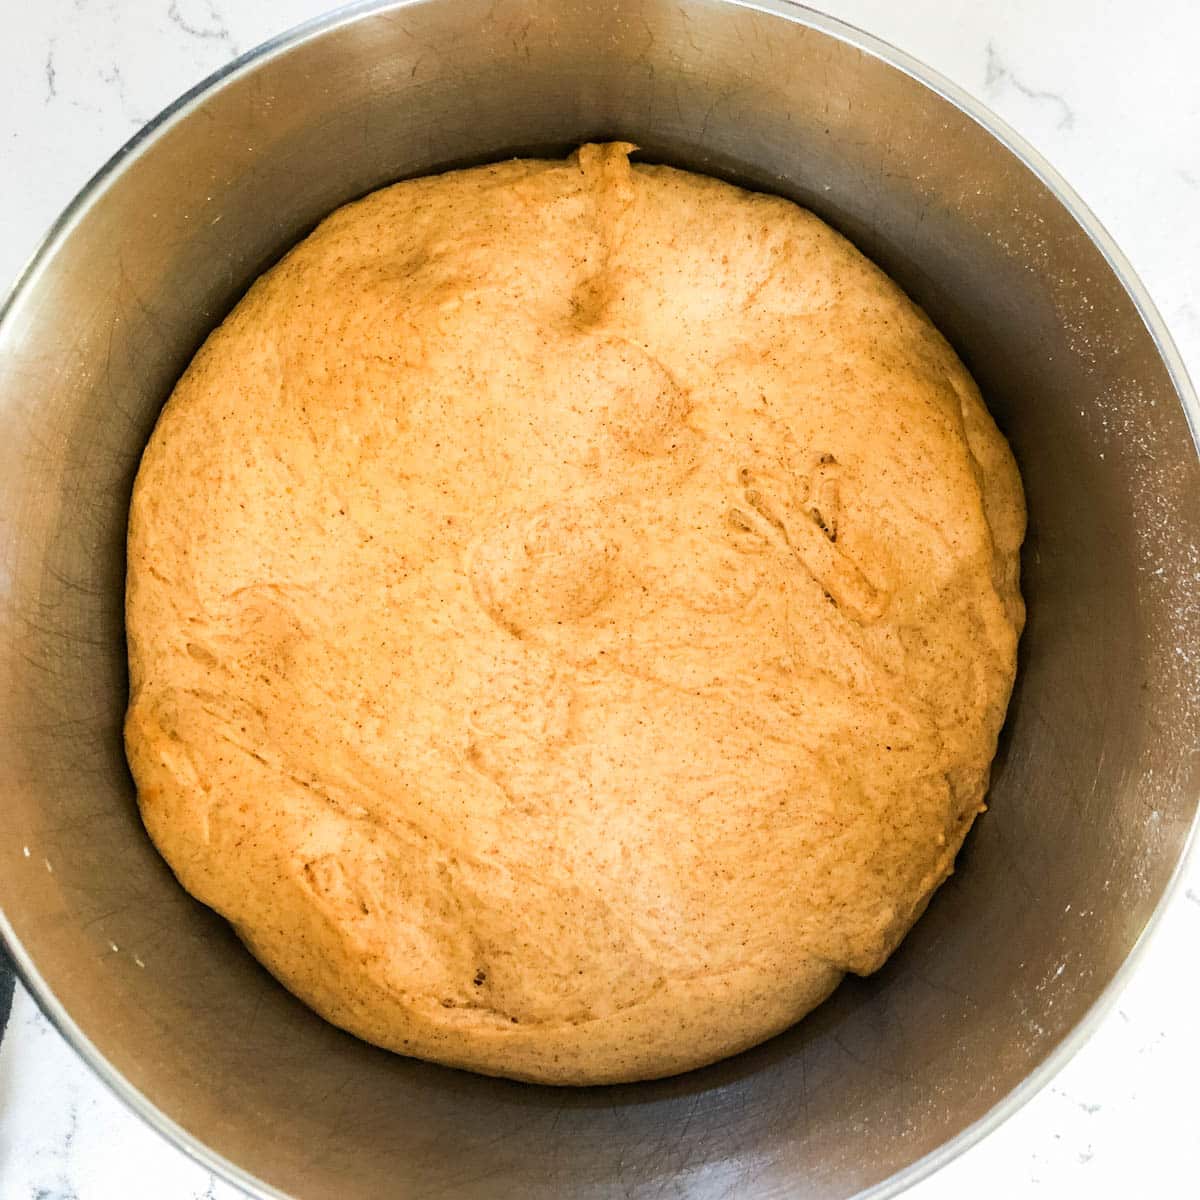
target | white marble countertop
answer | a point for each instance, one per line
(1108, 90)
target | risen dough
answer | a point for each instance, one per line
(571, 608)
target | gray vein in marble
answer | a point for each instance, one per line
(1192, 895)
(114, 77)
(62, 1188)
(51, 73)
(216, 30)
(997, 74)
(72, 1127)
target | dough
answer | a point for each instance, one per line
(571, 609)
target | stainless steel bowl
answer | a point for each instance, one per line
(1096, 783)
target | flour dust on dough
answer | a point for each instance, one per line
(571, 609)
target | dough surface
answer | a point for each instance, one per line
(571, 609)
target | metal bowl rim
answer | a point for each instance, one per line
(843, 31)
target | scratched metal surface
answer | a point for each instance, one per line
(1096, 782)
